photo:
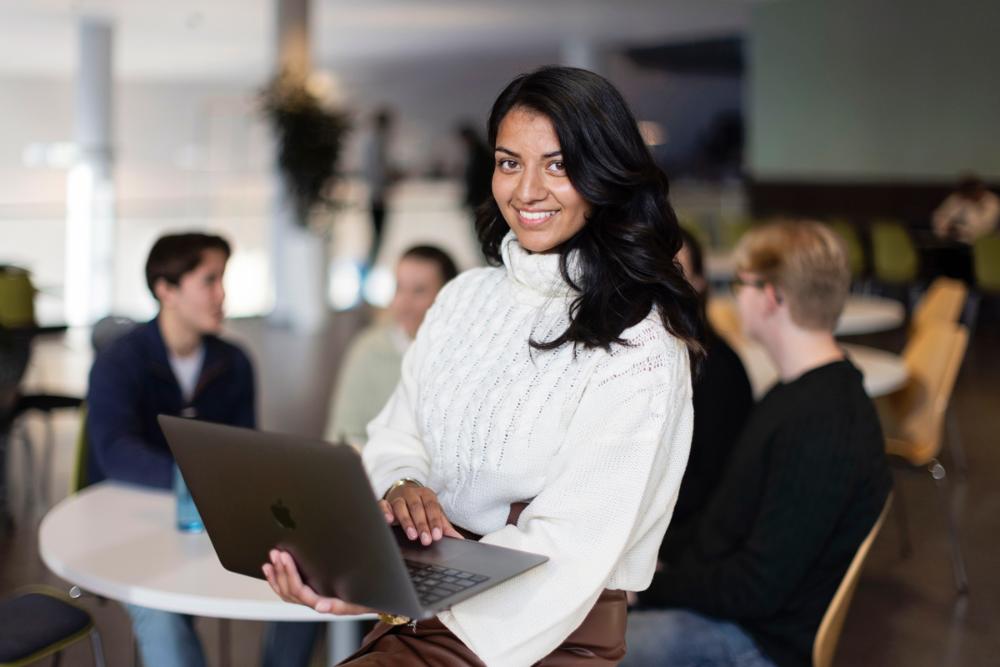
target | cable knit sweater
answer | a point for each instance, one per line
(596, 440)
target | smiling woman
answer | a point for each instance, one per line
(545, 404)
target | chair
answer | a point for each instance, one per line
(942, 302)
(986, 261)
(828, 634)
(733, 229)
(725, 319)
(37, 622)
(914, 417)
(894, 257)
(17, 298)
(855, 251)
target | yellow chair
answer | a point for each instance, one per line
(855, 251)
(986, 259)
(942, 302)
(828, 634)
(698, 231)
(894, 257)
(17, 298)
(914, 417)
(733, 229)
(725, 320)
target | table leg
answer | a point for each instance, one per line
(225, 659)
(342, 639)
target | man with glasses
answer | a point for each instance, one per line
(749, 582)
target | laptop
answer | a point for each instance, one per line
(257, 491)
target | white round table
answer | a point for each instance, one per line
(861, 314)
(884, 372)
(120, 542)
(869, 314)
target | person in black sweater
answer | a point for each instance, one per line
(721, 386)
(748, 583)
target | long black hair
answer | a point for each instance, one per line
(627, 247)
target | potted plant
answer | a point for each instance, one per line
(310, 134)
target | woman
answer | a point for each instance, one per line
(557, 383)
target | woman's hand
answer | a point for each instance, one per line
(283, 576)
(418, 512)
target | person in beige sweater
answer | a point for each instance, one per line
(372, 363)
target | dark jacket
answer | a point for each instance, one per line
(131, 383)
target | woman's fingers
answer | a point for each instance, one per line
(415, 503)
(284, 578)
(387, 511)
(402, 513)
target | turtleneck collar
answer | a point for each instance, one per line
(537, 273)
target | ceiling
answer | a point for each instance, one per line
(233, 39)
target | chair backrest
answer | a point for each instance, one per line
(986, 258)
(855, 251)
(725, 319)
(732, 230)
(828, 634)
(894, 256)
(80, 479)
(942, 302)
(17, 298)
(932, 356)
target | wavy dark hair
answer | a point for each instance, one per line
(627, 247)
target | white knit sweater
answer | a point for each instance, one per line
(597, 441)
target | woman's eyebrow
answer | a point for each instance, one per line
(501, 149)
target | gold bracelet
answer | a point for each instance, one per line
(398, 483)
(393, 619)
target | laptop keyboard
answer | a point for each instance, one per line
(434, 583)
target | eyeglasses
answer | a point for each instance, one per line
(737, 282)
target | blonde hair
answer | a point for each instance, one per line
(807, 261)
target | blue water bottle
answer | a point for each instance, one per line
(188, 518)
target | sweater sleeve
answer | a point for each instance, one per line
(809, 481)
(611, 487)
(114, 428)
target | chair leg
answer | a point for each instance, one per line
(902, 522)
(29, 471)
(955, 445)
(96, 648)
(45, 474)
(940, 476)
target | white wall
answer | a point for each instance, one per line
(862, 90)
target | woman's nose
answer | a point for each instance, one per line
(531, 187)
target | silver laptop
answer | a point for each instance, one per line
(257, 491)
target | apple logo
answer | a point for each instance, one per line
(282, 515)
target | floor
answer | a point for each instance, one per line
(905, 611)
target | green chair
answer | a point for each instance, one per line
(894, 257)
(37, 622)
(17, 298)
(986, 260)
(732, 229)
(855, 251)
(698, 231)
(79, 480)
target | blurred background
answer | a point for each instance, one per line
(121, 120)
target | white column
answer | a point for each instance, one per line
(292, 55)
(583, 53)
(90, 201)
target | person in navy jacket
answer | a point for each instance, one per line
(175, 364)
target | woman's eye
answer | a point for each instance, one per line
(507, 164)
(558, 167)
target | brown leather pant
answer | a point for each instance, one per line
(598, 641)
